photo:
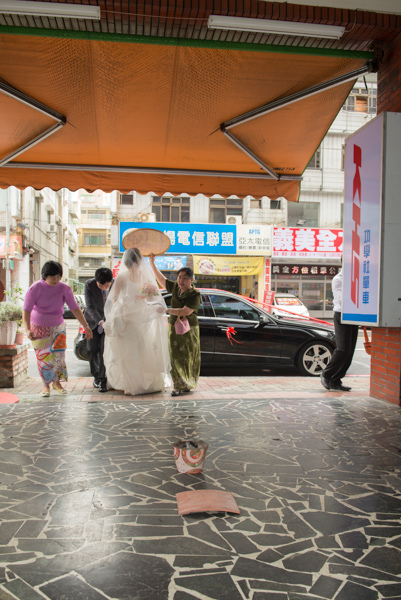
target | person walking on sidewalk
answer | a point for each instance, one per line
(184, 349)
(346, 338)
(45, 327)
(96, 291)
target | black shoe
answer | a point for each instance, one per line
(103, 388)
(97, 384)
(175, 393)
(338, 386)
(325, 382)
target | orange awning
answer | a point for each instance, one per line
(147, 117)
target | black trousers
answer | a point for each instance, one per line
(95, 349)
(346, 337)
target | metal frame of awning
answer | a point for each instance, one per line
(276, 104)
(224, 128)
(12, 92)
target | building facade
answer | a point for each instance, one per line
(36, 227)
(94, 232)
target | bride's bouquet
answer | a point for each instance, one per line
(148, 291)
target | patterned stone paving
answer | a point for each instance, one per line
(88, 509)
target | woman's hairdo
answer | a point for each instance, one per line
(132, 256)
(187, 270)
(51, 268)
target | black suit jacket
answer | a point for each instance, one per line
(94, 310)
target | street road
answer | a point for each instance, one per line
(78, 368)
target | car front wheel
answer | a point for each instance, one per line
(313, 358)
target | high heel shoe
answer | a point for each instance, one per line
(62, 390)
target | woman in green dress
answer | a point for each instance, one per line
(184, 349)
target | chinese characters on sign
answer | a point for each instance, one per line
(192, 238)
(268, 295)
(254, 239)
(318, 270)
(366, 266)
(307, 243)
(228, 265)
(210, 238)
(362, 218)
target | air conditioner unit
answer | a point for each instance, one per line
(52, 228)
(147, 217)
(233, 220)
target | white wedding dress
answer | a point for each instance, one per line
(136, 353)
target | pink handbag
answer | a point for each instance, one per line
(181, 326)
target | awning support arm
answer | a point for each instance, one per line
(251, 155)
(276, 104)
(32, 103)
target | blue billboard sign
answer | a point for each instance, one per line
(191, 238)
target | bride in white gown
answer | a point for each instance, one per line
(136, 353)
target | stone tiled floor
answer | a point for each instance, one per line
(88, 484)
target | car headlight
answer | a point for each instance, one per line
(323, 332)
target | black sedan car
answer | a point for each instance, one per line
(67, 313)
(236, 332)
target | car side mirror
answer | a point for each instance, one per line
(263, 319)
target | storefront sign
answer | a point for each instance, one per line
(228, 265)
(254, 239)
(163, 263)
(316, 270)
(307, 243)
(191, 238)
(116, 265)
(362, 211)
(170, 263)
(15, 246)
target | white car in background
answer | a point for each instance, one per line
(290, 303)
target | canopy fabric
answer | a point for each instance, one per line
(159, 107)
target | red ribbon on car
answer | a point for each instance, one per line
(230, 332)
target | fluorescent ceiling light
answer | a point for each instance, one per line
(277, 27)
(49, 9)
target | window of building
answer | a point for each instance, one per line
(37, 211)
(86, 261)
(343, 157)
(127, 199)
(372, 108)
(94, 239)
(221, 208)
(100, 216)
(315, 162)
(170, 209)
(256, 203)
(275, 204)
(362, 99)
(303, 214)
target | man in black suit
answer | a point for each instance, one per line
(96, 290)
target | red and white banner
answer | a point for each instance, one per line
(268, 295)
(307, 243)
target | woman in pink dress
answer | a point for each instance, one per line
(45, 327)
